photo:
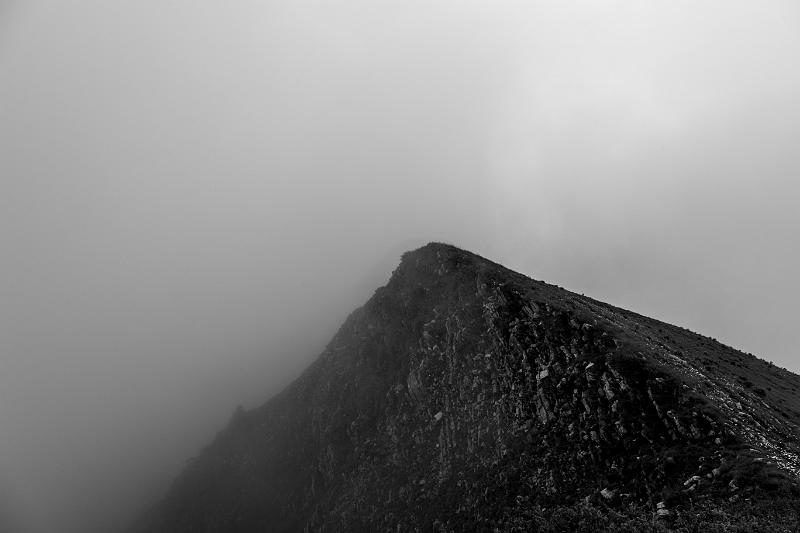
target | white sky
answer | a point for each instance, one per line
(196, 193)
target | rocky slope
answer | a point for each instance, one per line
(466, 397)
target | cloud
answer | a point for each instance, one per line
(195, 194)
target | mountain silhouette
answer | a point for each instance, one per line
(464, 396)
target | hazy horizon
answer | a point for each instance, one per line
(196, 194)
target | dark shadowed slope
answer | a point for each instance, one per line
(466, 397)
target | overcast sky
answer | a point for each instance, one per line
(196, 193)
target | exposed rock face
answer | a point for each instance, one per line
(464, 396)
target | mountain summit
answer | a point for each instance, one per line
(464, 396)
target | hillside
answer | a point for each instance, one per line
(466, 397)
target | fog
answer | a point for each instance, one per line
(195, 194)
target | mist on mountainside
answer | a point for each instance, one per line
(195, 195)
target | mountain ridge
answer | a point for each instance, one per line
(466, 396)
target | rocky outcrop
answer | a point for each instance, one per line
(464, 396)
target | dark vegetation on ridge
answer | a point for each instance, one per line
(466, 397)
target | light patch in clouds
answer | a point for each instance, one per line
(605, 122)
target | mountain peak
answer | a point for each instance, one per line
(466, 396)
(435, 255)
